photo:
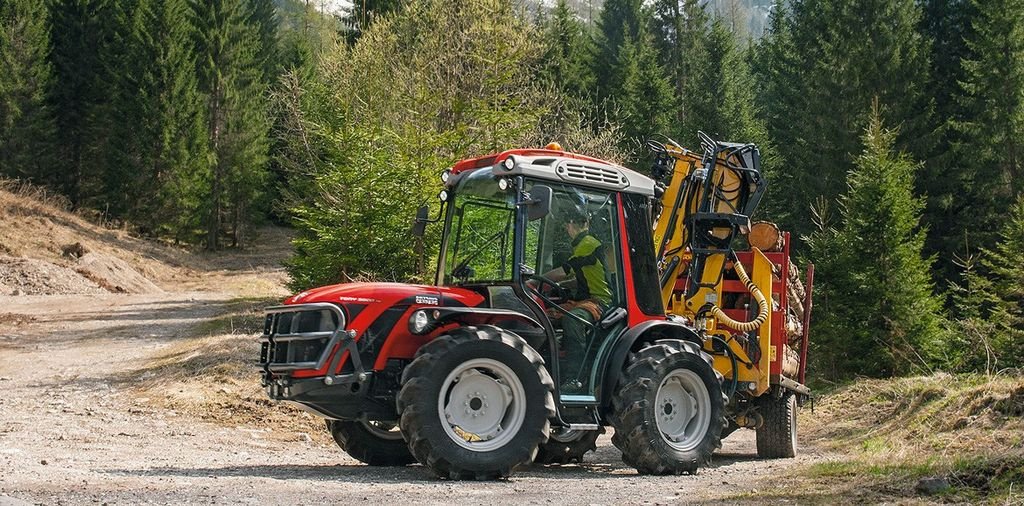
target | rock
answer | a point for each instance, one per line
(932, 485)
(76, 250)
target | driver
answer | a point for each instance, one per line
(591, 296)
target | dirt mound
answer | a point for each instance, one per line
(24, 276)
(114, 274)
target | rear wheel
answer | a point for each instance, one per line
(669, 410)
(475, 403)
(373, 443)
(568, 446)
(776, 437)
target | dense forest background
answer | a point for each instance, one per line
(889, 131)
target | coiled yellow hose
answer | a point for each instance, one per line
(762, 305)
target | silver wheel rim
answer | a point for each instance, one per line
(682, 409)
(482, 404)
(383, 430)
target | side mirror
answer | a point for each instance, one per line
(419, 225)
(539, 204)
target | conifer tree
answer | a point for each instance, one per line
(264, 17)
(720, 100)
(947, 26)
(876, 314)
(619, 20)
(681, 32)
(991, 153)
(645, 100)
(1000, 295)
(27, 128)
(79, 35)
(157, 116)
(230, 77)
(568, 52)
(719, 97)
(843, 55)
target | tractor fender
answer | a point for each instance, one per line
(614, 362)
(521, 324)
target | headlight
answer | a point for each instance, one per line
(419, 322)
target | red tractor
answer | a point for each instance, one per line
(547, 322)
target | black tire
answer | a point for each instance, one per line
(638, 417)
(776, 437)
(478, 355)
(568, 448)
(368, 443)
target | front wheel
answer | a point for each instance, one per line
(669, 409)
(370, 442)
(475, 403)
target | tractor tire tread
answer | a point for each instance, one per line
(416, 387)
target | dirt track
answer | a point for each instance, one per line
(72, 431)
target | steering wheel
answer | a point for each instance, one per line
(557, 290)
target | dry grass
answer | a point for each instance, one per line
(37, 224)
(212, 376)
(889, 434)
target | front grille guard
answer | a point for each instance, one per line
(346, 339)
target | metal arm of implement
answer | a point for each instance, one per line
(706, 201)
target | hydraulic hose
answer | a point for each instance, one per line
(762, 305)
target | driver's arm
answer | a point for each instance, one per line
(557, 274)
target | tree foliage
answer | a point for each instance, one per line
(27, 128)
(833, 59)
(878, 315)
(232, 80)
(417, 92)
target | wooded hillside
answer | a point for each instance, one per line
(889, 131)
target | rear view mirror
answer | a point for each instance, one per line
(539, 204)
(419, 225)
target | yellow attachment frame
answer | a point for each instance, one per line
(758, 372)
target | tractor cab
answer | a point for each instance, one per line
(512, 219)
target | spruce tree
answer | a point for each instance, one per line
(80, 36)
(231, 79)
(719, 97)
(264, 17)
(619, 20)
(990, 150)
(876, 313)
(1000, 296)
(27, 128)
(843, 55)
(156, 114)
(681, 32)
(645, 100)
(947, 26)
(568, 53)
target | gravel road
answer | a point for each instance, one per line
(72, 431)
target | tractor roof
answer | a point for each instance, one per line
(561, 166)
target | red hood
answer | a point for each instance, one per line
(390, 293)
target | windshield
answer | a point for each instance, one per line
(481, 237)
